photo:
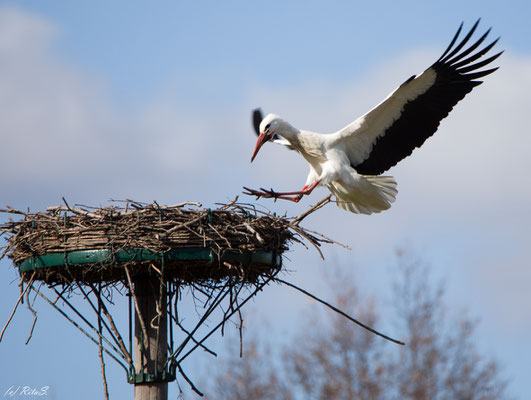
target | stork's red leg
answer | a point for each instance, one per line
(291, 196)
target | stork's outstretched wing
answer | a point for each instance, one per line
(407, 117)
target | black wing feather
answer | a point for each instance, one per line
(470, 50)
(420, 117)
(461, 45)
(257, 118)
(452, 42)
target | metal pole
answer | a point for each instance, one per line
(152, 352)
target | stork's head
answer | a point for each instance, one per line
(268, 128)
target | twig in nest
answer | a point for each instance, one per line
(79, 211)
(315, 243)
(125, 355)
(241, 332)
(161, 306)
(182, 225)
(182, 328)
(115, 334)
(312, 209)
(229, 205)
(254, 232)
(79, 327)
(337, 310)
(217, 300)
(30, 283)
(28, 305)
(100, 345)
(139, 314)
(194, 388)
(226, 317)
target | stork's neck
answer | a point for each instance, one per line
(288, 132)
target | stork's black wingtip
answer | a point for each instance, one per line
(257, 118)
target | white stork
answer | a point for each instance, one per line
(349, 162)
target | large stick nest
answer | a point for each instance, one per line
(216, 284)
(232, 228)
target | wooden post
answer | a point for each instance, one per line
(151, 357)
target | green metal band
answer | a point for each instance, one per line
(161, 376)
(106, 256)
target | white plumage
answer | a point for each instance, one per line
(349, 162)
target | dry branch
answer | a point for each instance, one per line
(337, 310)
(30, 283)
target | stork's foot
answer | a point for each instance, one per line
(271, 194)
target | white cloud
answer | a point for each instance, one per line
(24, 34)
(55, 119)
(62, 134)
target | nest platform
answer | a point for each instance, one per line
(185, 242)
(154, 255)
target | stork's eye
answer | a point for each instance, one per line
(267, 127)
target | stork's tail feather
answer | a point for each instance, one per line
(372, 195)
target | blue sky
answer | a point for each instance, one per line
(124, 99)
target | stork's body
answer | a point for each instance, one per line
(330, 166)
(349, 162)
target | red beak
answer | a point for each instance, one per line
(262, 138)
